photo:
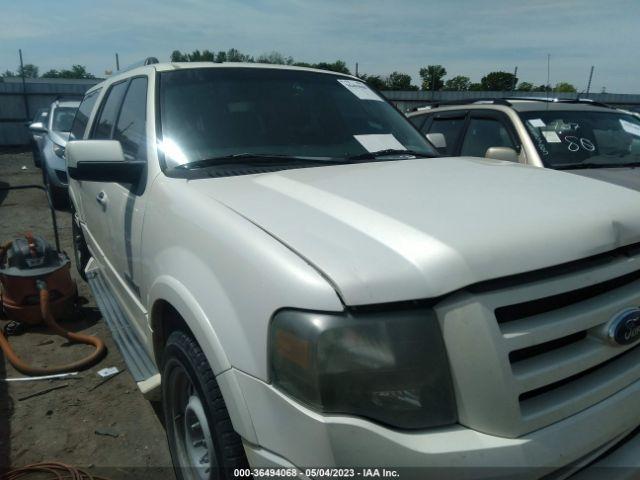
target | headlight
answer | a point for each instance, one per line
(58, 150)
(390, 367)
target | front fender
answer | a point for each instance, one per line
(168, 289)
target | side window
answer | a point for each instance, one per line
(82, 115)
(484, 133)
(418, 120)
(132, 122)
(450, 128)
(109, 112)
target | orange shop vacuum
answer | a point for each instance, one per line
(37, 288)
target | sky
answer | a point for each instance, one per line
(467, 37)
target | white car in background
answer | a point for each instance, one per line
(277, 250)
(53, 131)
(582, 137)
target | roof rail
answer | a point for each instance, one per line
(495, 101)
(561, 100)
(141, 63)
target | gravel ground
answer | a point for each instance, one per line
(61, 425)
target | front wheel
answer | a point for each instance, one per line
(201, 438)
(80, 249)
(58, 197)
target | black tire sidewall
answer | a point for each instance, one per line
(80, 252)
(183, 349)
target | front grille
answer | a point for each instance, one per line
(527, 355)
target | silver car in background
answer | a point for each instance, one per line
(50, 156)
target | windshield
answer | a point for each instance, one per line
(576, 139)
(216, 112)
(63, 119)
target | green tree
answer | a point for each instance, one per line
(525, 87)
(234, 55)
(475, 87)
(275, 58)
(432, 76)
(337, 66)
(8, 73)
(53, 73)
(76, 71)
(29, 70)
(221, 57)
(375, 81)
(399, 81)
(498, 81)
(178, 56)
(564, 87)
(459, 83)
(542, 88)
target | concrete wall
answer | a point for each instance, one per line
(39, 94)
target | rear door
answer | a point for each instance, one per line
(450, 125)
(486, 129)
(93, 197)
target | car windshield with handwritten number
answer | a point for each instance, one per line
(584, 139)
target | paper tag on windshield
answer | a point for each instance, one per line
(377, 142)
(537, 122)
(360, 90)
(551, 137)
(631, 128)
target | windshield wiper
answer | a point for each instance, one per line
(586, 165)
(254, 159)
(388, 152)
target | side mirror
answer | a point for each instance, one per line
(502, 153)
(101, 161)
(37, 127)
(437, 140)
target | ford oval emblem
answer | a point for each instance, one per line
(624, 328)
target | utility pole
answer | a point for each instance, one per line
(24, 87)
(590, 78)
(117, 63)
(548, 75)
(357, 70)
(515, 78)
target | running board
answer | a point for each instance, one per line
(140, 364)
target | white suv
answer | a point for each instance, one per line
(315, 289)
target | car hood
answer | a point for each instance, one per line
(626, 177)
(401, 230)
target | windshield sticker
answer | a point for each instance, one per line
(378, 142)
(631, 128)
(537, 122)
(360, 90)
(551, 137)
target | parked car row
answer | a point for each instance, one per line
(49, 134)
(305, 281)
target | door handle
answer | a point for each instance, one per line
(101, 198)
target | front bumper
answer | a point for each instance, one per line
(290, 434)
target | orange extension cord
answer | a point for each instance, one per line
(26, 369)
(57, 471)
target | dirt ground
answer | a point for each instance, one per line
(61, 425)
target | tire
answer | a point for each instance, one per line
(36, 156)
(80, 249)
(202, 441)
(59, 197)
